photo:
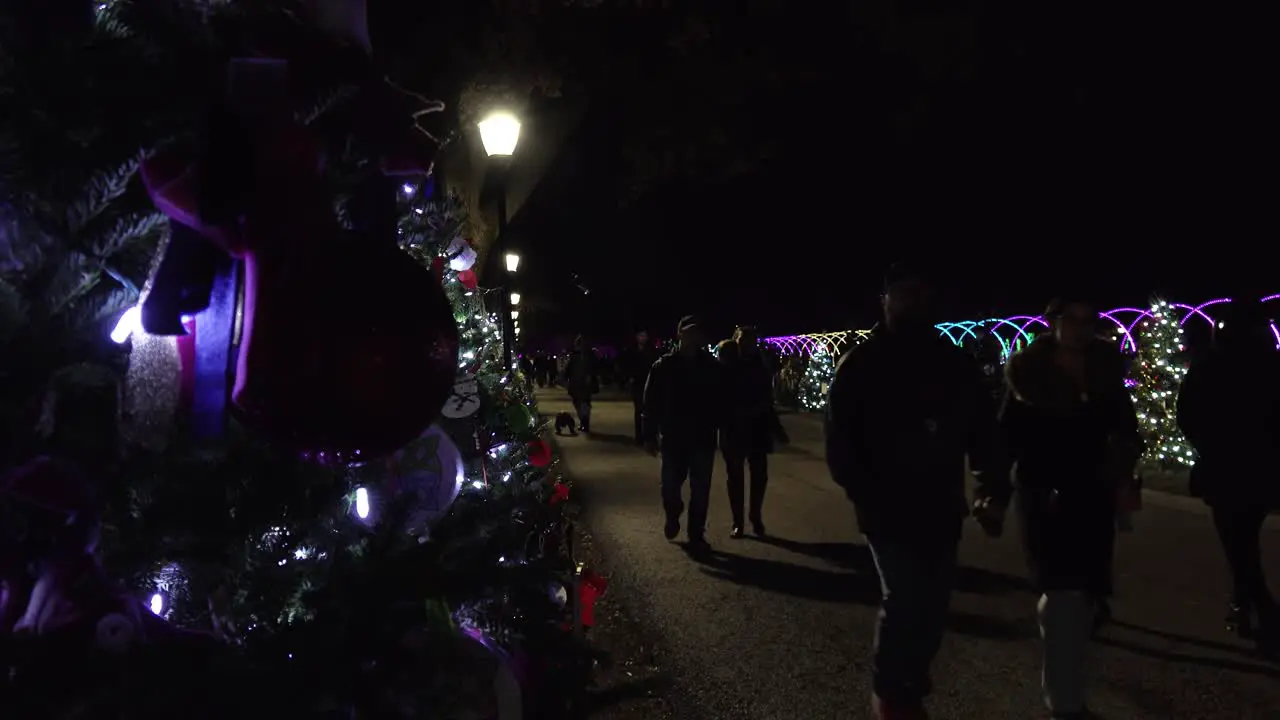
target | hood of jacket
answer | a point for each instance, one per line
(1036, 380)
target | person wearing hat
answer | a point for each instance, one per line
(904, 409)
(683, 410)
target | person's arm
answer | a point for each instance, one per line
(651, 404)
(987, 457)
(843, 427)
(1193, 410)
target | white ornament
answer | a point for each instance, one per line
(465, 400)
(461, 255)
(114, 634)
(431, 472)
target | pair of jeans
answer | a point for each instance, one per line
(582, 405)
(695, 465)
(736, 463)
(637, 403)
(916, 577)
(1066, 629)
(1239, 531)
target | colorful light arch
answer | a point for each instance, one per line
(1013, 332)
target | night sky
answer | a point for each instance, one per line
(1020, 151)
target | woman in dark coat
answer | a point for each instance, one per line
(752, 424)
(1070, 427)
(1229, 409)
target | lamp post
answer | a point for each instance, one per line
(499, 133)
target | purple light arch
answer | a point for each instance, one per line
(832, 342)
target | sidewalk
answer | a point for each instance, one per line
(782, 628)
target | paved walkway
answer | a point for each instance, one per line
(782, 628)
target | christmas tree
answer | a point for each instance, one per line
(1157, 373)
(231, 574)
(818, 374)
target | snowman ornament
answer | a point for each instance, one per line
(465, 400)
(461, 255)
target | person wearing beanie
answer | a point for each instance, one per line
(683, 410)
(904, 409)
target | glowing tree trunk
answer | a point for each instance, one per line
(1156, 375)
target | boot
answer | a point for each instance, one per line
(885, 710)
(1240, 619)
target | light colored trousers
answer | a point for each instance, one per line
(1066, 628)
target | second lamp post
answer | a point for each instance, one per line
(499, 133)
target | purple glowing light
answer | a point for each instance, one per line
(1021, 324)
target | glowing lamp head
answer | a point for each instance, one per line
(128, 324)
(499, 133)
(515, 299)
(513, 261)
(515, 314)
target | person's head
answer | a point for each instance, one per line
(908, 298)
(748, 342)
(690, 334)
(727, 351)
(579, 344)
(1073, 321)
(642, 338)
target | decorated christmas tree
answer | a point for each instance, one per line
(818, 374)
(238, 491)
(1157, 373)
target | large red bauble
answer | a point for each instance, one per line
(351, 350)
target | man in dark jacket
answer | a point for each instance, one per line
(683, 405)
(636, 363)
(904, 409)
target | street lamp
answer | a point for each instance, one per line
(499, 133)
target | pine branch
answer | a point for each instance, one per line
(101, 189)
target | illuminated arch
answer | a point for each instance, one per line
(1127, 338)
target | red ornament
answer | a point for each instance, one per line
(468, 279)
(591, 587)
(539, 453)
(559, 493)
(347, 347)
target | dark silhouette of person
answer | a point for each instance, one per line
(582, 381)
(635, 365)
(751, 426)
(904, 409)
(1069, 424)
(1229, 410)
(683, 409)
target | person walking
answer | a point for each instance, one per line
(683, 409)
(635, 365)
(904, 409)
(750, 429)
(581, 381)
(1229, 410)
(1069, 425)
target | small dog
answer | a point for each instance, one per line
(565, 421)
